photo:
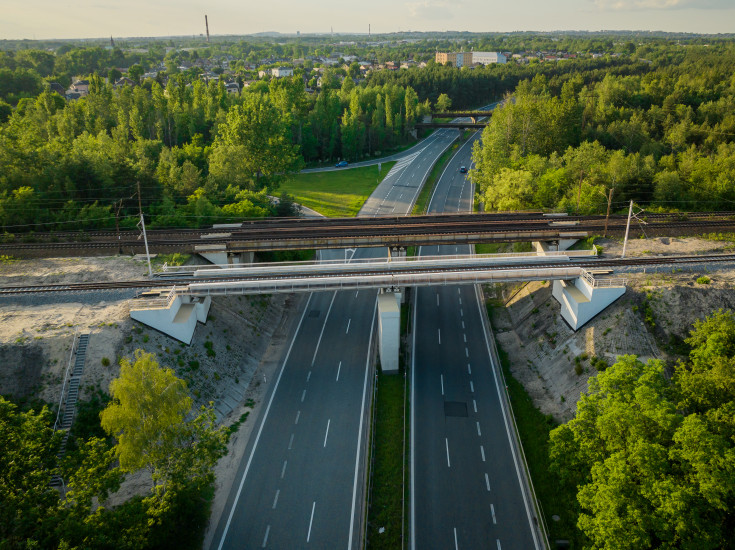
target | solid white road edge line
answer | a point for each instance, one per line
(412, 517)
(359, 432)
(507, 426)
(260, 430)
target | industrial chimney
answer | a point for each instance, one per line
(206, 24)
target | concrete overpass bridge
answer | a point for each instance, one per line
(175, 310)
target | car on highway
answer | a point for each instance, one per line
(341, 164)
(462, 169)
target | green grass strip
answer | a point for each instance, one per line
(387, 474)
(534, 428)
(337, 193)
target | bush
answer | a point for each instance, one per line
(599, 363)
(105, 362)
(703, 280)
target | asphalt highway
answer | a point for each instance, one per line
(466, 487)
(300, 484)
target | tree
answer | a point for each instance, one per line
(135, 72)
(253, 142)
(148, 414)
(653, 459)
(443, 103)
(149, 404)
(27, 461)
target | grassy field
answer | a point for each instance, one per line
(534, 428)
(340, 193)
(387, 474)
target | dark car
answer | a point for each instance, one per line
(341, 164)
(462, 169)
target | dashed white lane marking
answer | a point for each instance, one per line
(442, 381)
(283, 470)
(446, 444)
(348, 326)
(478, 429)
(472, 387)
(308, 376)
(437, 299)
(356, 293)
(456, 546)
(290, 442)
(498, 541)
(459, 291)
(474, 405)
(275, 499)
(298, 414)
(303, 394)
(482, 452)
(492, 511)
(469, 370)
(265, 538)
(465, 338)
(466, 352)
(326, 434)
(461, 312)
(487, 482)
(311, 520)
(439, 332)
(462, 325)
(460, 301)
(339, 368)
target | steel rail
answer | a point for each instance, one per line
(412, 267)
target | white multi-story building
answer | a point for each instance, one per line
(279, 72)
(467, 59)
(486, 58)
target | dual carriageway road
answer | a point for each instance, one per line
(302, 478)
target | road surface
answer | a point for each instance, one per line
(466, 487)
(300, 484)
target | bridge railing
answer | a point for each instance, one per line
(613, 282)
(160, 302)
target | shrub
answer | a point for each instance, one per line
(105, 362)
(703, 280)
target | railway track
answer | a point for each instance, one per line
(412, 267)
(395, 234)
(278, 225)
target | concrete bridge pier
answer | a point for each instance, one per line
(583, 298)
(389, 329)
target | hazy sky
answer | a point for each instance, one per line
(121, 18)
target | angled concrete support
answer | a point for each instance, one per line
(173, 314)
(389, 331)
(583, 298)
(542, 247)
(218, 255)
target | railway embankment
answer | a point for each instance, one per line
(554, 363)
